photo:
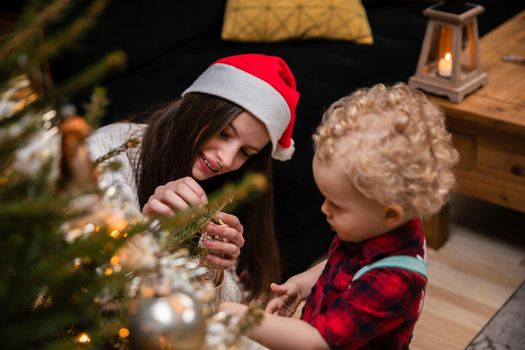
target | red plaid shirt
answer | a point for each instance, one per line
(380, 309)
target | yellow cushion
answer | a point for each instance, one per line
(278, 20)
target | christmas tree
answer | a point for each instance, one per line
(62, 280)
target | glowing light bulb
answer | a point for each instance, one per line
(123, 332)
(83, 338)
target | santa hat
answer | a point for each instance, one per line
(261, 84)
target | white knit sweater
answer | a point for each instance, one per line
(113, 136)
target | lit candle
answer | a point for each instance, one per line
(445, 66)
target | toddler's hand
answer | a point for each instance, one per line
(286, 300)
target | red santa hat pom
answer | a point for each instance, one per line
(264, 86)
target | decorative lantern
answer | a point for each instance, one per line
(449, 63)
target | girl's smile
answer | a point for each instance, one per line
(228, 150)
(207, 165)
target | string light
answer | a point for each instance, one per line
(115, 234)
(123, 332)
(83, 338)
(115, 223)
(117, 226)
(115, 259)
(111, 191)
(89, 228)
(77, 263)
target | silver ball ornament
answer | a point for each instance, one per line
(175, 321)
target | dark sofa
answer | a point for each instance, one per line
(168, 43)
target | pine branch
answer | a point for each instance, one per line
(115, 59)
(31, 25)
(30, 330)
(71, 287)
(179, 238)
(96, 108)
(53, 45)
(185, 225)
(46, 283)
(130, 143)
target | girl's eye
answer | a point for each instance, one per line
(245, 154)
(223, 134)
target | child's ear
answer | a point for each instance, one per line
(394, 215)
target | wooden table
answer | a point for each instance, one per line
(488, 129)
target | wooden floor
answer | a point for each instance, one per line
(472, 275)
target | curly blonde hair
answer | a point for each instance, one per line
(393, 145)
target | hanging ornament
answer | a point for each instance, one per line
(78, 175)
(175, 321)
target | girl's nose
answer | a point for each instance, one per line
(227, 156)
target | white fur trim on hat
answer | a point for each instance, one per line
(251, 93)
(284, 154)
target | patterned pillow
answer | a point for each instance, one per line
(279, 20)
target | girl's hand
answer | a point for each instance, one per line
(175, 196)
(227, 240)
(287, 299)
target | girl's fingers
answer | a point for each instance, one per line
(189, 189)
(230, 220)
(177, 195)
(221, 262)
(226, 233)
(188, 195)
(156, 207)
(222, 248)
(174, 201)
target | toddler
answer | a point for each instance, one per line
(383, 159)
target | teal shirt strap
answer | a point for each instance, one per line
(406, 262)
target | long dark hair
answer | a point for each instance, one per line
(170, 144)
